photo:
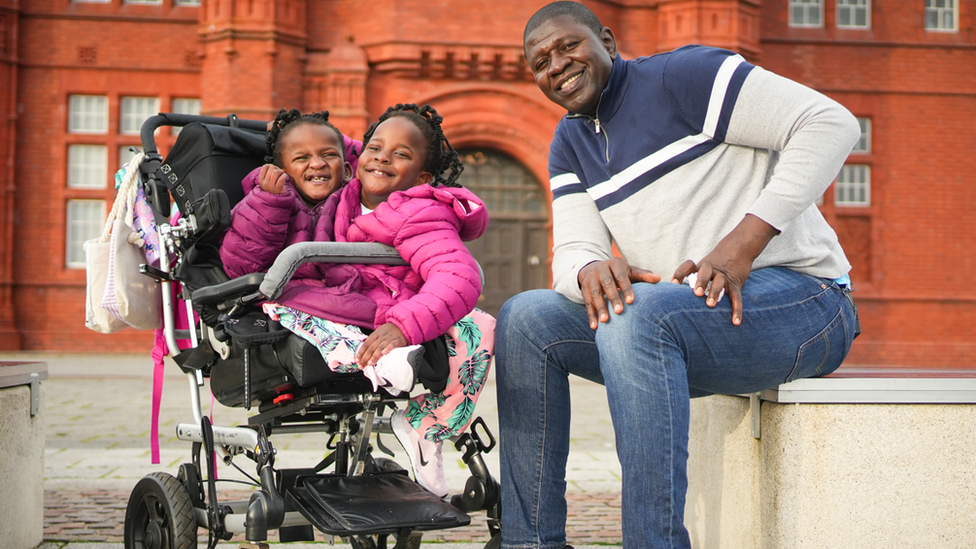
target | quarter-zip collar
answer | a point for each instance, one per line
(610, 100)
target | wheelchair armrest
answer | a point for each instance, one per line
(324, 252)
(219, 293)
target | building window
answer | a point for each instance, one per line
(184, 105)
(85, 220)
(88, 114)
(941, 15)
(187, 2)
(143, 1)
(135, 111)
(863, 145)
(853, 186)
(806, 13)
(86, 166)
(854, 14)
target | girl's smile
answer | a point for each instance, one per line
(393, 160)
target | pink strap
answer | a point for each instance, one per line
(158, 352)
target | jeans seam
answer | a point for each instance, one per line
(537, 512)
(671, 467)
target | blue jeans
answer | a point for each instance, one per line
(663, 348)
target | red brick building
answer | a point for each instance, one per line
(77, 77)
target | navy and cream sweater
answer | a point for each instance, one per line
(684, 145)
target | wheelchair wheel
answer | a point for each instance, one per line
(159, 515)
(362, 542)
(495, 542)
(387, 464)
(370, 542)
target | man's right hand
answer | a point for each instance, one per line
(601, 281)
(272, 179)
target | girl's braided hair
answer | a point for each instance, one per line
(288, 120)
(441, 157)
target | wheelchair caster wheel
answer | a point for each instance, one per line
(159, 515)
(495, 542)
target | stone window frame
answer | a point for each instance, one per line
(134, 110)
(806, 7)
(851, 9)
(936, 12)
(88, 114)
(84, 219)
(87, 166)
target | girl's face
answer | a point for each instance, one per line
(393, 160)
(312, 155)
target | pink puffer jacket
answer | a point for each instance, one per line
(427, 226)
(263, 224)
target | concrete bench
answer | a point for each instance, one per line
(21, 454)
(862, 458)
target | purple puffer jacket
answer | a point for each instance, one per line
(263, 224)
(427, 226)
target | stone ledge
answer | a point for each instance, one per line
(880, 386)
(891, 466)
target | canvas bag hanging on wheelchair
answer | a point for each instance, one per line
(117, 294)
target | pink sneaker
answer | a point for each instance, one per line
(425, 456)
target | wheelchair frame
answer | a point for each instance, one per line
(165, 511)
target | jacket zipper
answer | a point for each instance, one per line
(597, 126)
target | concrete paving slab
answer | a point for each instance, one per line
(98, 410)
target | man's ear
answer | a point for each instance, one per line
(346, 172)
(609, 42)
(424, 178)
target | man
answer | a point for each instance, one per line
(700, 167)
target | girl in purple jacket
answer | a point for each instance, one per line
(405, 195)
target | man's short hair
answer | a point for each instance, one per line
(577, 11)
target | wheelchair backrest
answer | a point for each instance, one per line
(206, 157)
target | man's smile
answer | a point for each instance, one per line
(568, 85)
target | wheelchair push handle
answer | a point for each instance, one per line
(156, 190)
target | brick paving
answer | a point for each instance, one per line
(97, 413)
(98, 515)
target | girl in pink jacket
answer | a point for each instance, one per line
(405, 195)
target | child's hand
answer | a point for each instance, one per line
(383, 340)
(272, 179)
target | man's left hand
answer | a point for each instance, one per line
(728, 265)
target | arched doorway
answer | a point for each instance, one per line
(514, 252)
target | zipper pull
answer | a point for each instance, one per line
(596, 122)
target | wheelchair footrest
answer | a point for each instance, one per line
(372, 504)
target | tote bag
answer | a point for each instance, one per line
(117, 294)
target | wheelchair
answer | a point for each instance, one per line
(353, 494)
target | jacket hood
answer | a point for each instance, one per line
(469, 212)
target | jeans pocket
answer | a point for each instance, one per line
(824, 352)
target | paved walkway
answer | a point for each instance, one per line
(97, 409)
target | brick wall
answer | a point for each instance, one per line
(911, 248)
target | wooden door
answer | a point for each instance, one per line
(514, 251)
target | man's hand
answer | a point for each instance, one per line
(383, 340)
(728, 266)
(607, 280)
(272, 179)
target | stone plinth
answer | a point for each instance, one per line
(21, 455)
(840, 462)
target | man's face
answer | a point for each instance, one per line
(570, 63)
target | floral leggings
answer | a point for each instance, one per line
(436, 416)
